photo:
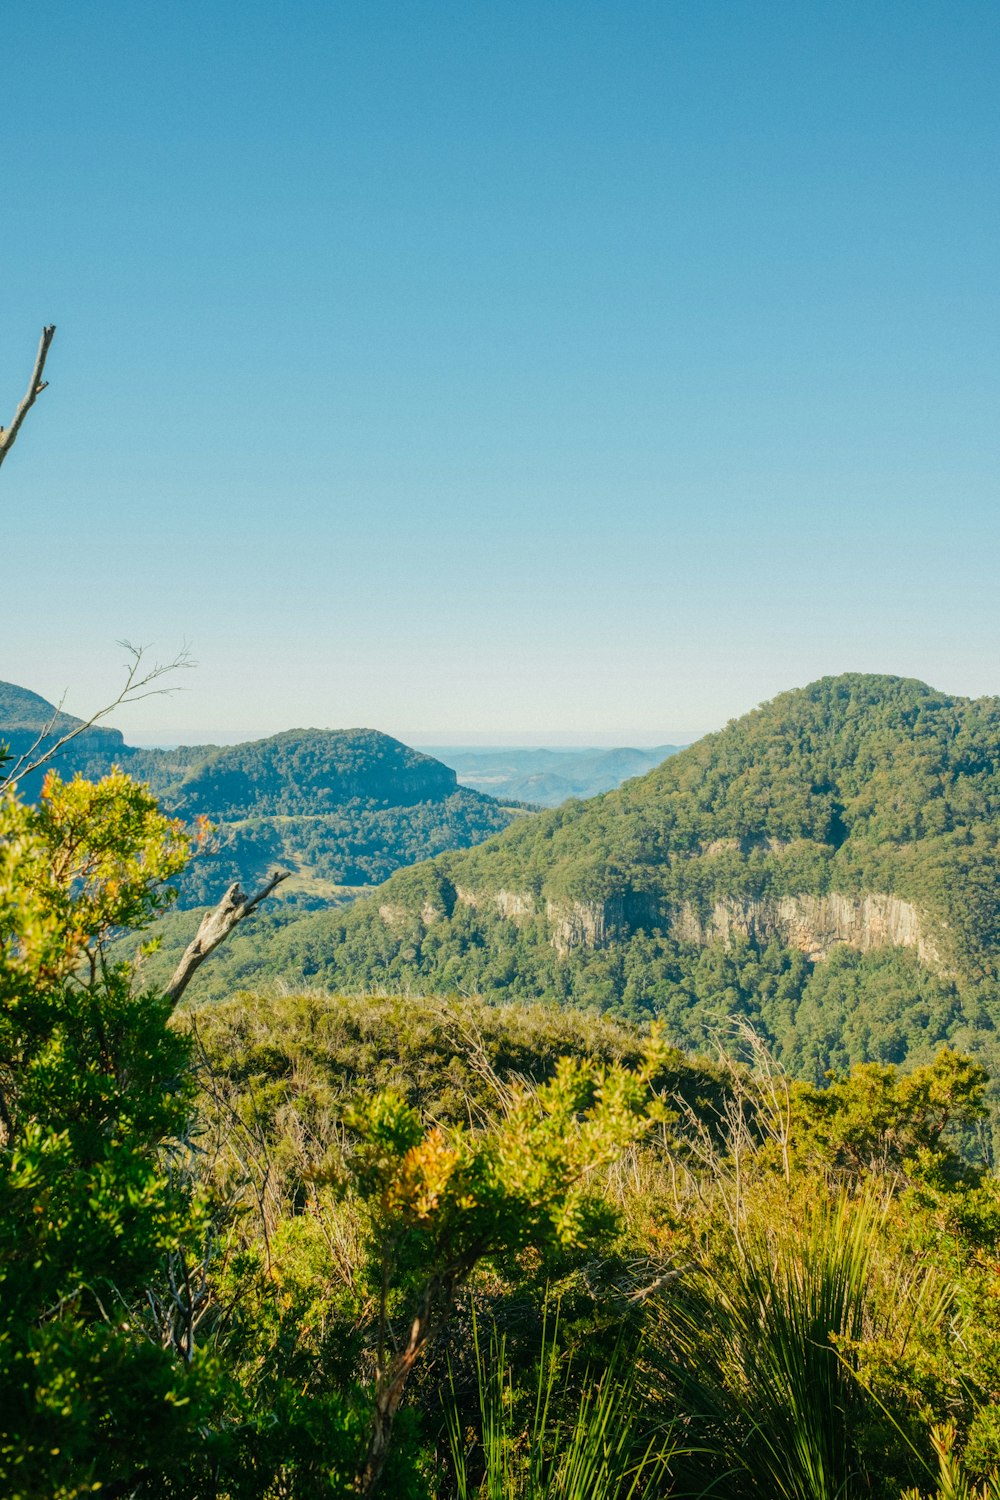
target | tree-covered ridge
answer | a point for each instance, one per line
(853, 786)
(22, 709)
(309, 771)
(855, 769)
(340, 808)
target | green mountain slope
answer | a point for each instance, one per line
(22, 709)
(827, 866)
(340, 808)
(310, 771)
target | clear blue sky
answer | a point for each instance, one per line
(477, 369)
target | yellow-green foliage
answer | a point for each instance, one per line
(92, 1083)
(90, 858)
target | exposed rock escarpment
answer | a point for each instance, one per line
(592, 924)
(511, 904)
(813, 924)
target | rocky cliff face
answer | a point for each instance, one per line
(573, 924)
(813, 924)
(592, 924)
(512, 904)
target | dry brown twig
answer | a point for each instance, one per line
(215, 927)
(35, 387)
(138, 684)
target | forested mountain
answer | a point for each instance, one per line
(341, 808)
(548, 777)
(827, 866)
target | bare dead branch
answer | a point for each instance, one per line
(138, 684)
(215, 927)
(35, 386)
(640, 1294)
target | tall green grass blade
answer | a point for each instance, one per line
(761, 1354)
(581, 1444)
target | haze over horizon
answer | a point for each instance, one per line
(431, 743)
(551, 367)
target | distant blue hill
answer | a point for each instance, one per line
(548, 777)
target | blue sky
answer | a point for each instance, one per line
(504, 371)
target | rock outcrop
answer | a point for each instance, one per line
(512, 904)
(592, 924)
(813, 924)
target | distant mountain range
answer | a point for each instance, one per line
(341, 808)
(548, 777)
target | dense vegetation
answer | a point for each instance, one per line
(854, 785)
(875, 1007)
(304, 771)
(309, 1246)
(339, 808)
(360, 844)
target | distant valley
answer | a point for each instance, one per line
(547, 777)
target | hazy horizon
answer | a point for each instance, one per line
(430, 744)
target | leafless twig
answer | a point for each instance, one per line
(138, 684)
(35, 386)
